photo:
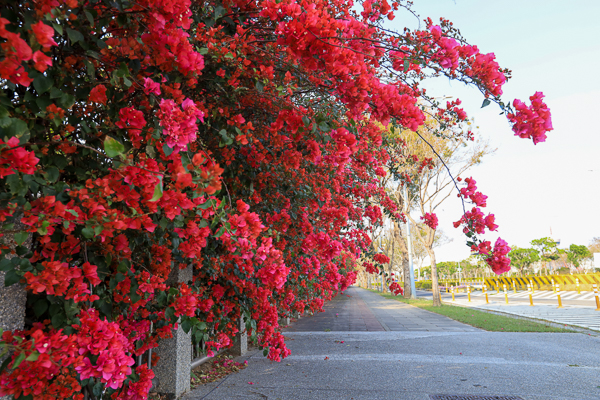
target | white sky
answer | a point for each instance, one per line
(551, 46)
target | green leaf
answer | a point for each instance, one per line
(11, 278)
(74, 35)
(5, 265)
(220, 232)
(89, 17)
(55, 93)
(158, 190)
(33, 356)
(58, 320)
(406, 64)
(21, 237)
(167, 150)
(4, 364)
(40, 307)
(122, 267)
(42, 84)
(203, 51)
(91, 70)
(18, 360)
(186, 326)
(113, 148)
(52, 174)
(87, 232)
(16, 128)
(170, 313)
(58, 28)
(208, 204)
(486, 103)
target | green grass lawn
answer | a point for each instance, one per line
(478, 319)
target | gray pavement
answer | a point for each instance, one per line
(372, 362)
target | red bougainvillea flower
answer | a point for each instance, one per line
(430, 219)
(533, 121)
(179, 124)
(98, 94)
(43, 34)
(42, 61)
(498, 260)
(381, 258)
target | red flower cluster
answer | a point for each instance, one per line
(498, 260)
(381, 258)
(533, 121)
(15, 159)
(431, 220)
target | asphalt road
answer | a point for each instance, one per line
(352, 356)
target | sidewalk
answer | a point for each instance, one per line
(418, 357)
(576, 315)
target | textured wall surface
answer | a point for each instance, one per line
(173, 369)
(12, 298)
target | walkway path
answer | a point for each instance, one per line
(359, 359)
(361, 310)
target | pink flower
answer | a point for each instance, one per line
(129, 117)
(533, 121)
(431, 220)
(179, 126)
(151, 87)
(498, 260)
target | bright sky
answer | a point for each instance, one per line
(551, 46)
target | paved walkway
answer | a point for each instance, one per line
(360, 310)
(360, 360)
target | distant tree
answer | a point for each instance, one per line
(547, 248)
(521, 259)
(430, 181)
(447, 268)
(474, 265)
(578, 253)
(594, 246)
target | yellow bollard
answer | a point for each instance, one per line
(469, 292)
(532, 287)
(577, 284)
(514, 287)
(553, 286)
(530, 295)
(487, 301)
(505, 294)
(452, 288)
(595, 285)
(558, 295)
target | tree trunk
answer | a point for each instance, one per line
(437, 300)
(405, 266)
